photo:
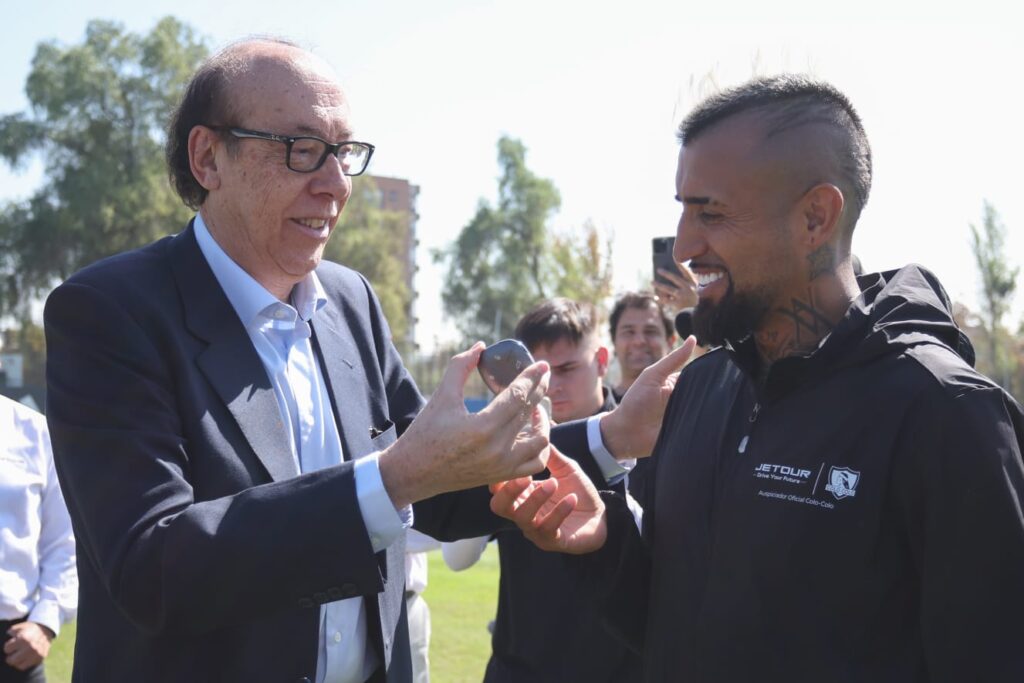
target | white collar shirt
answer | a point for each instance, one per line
(281, 334)
(38, 578)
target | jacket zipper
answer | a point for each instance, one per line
(752, 419)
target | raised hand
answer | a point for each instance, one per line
(682, 293)
(563, 513)
(447, 449)
(631, 430)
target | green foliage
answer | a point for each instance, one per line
(998, 283)
(507, 259)
(372, 241)
(97, 117)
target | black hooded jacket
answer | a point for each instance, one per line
(856, 519)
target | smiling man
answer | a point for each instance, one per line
(232, 427)
(837, 491)
(641, 333)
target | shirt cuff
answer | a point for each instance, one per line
(46, 613)
(384, 524)
(612, 469)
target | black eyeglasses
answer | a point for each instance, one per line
(305, 153)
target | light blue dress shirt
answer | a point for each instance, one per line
(281, 335)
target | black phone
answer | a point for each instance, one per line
(661, 255)
(502, 361)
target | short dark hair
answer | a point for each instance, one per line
(206, 102)
(788, 101)
(556, 319)
(642, 301)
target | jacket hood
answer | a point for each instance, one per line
(899, 308)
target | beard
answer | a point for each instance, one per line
(732, 319)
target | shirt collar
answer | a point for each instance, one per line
(251, 300)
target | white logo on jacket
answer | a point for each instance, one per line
(842, 482)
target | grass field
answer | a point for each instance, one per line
(461, 604)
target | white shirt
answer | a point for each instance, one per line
(416, 546)
(38, 579)
(281, 335)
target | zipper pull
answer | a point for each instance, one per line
(752, 419)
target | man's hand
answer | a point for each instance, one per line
(682, 293)
(447, 449)
(28, 645)
(563, 513)
(631, 430)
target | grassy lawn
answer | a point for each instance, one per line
(461, 604)
(58, 663)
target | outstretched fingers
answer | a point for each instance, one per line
(673, 361)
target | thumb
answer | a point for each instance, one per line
(460, 367)
(559, 465)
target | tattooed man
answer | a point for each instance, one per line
(838, 491)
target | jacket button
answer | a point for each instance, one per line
(320, 597)
(348, 590)
(334, 593)
(305, 603)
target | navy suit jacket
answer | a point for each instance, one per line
(202, 555)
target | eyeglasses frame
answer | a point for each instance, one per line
(289, 140)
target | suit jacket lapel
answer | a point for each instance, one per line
(338, 360)
(230, 361)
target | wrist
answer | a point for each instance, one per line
(403, 483)
(615, 437)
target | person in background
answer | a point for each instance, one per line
(563, 333)
(544, 630)
(38, 578)
(641, 333)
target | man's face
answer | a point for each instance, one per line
(271, 220)
(576, 374)
(737, 230)
(639, 339)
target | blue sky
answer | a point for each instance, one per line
(937, 84)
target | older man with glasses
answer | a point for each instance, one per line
(231, 424)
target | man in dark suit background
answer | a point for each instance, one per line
(226, 411)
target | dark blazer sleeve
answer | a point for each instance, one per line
(183, 528)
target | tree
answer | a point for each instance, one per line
(998, 282)
(371, 240)
(97, 117)
(507, 259)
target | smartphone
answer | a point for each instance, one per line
(501, 362)
(661, 255)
